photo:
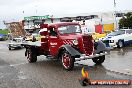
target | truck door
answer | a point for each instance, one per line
(53, 41)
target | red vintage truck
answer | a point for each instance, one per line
(65, 41)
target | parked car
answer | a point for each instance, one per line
(95, 35)
(118, 38)
(98, 35)
(3, 36)
(16, 43)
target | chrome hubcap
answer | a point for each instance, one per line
(66, 60)
(29, 56)
(120, 44)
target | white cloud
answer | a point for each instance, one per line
(13, 9)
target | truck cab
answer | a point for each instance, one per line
(65, 41)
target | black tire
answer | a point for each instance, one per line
(99, 60)
(120, 44)
(31, 56)
(67, 61)
(9, 48)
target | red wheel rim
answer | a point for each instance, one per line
(66, 60)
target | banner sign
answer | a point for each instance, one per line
(37, 17)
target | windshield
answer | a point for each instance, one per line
(69, 29)
(114, 33)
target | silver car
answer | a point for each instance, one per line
(16, 43)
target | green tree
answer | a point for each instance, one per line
(126, 21)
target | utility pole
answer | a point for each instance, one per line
(36, 7)
(115, 21)
(114, 3)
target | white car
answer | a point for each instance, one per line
(16, 43)
(118, 38)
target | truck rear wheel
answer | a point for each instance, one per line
(99, 60)
(31, 56)
(67, 60)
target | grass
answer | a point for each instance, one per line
(6, 31)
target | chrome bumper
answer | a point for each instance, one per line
(84, 57)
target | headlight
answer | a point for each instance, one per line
(11, 45)
(111, 41)
(96, 40)
(75, 42)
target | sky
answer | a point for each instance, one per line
(14, 10)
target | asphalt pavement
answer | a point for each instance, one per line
(16, 72)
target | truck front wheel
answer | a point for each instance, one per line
(31, 56)
(99, 60)
(67, 60)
